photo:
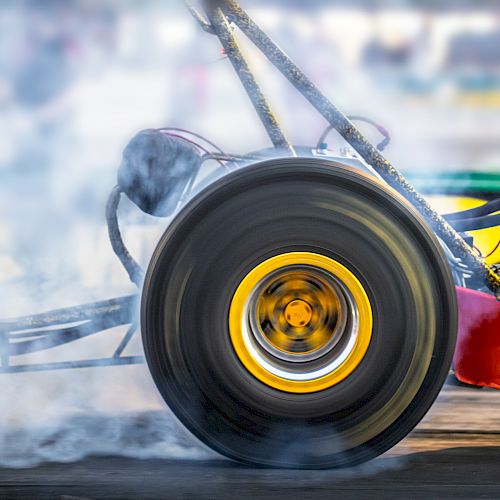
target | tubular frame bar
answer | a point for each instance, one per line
(66, 365)
(223, 11)
(41, 332)
(224, 33)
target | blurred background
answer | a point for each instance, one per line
(78, 78)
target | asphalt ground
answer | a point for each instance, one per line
(454, 453)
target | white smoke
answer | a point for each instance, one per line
(118, 72)
(66, 416)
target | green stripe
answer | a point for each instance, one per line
(456, 182)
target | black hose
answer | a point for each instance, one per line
(485, 209)
(476, 223)
(133, 269)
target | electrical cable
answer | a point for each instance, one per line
(497, 246)
(208, 155)
(193, 143)
(194, 134)
(382, 130)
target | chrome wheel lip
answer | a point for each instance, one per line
(310, 366)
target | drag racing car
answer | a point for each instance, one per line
(302, 308)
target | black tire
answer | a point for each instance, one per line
(284, 206)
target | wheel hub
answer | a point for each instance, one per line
(298, 313)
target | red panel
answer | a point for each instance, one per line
(477, 356)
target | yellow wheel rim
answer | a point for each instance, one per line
(300, 322)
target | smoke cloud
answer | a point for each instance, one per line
(79, 79)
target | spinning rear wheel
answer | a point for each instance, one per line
(298, 313)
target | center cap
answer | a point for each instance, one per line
(298, 313)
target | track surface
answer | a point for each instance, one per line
(454, 453)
